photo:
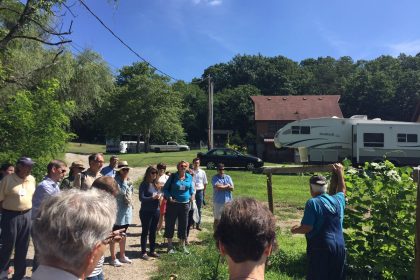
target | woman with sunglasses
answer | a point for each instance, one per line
(178, 191)
(149, 196)
(124, 211)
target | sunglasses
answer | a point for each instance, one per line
(125, 169)
(153, 172)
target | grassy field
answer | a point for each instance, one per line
(288, 262)
(83, 148)
(203, 263)
(143, 159)
(169, 158)
(135, 160)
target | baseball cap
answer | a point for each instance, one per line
(25, 161)
(318, 180)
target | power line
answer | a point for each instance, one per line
(77, 48)
(124, 43)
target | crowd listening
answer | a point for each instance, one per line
(72, 219)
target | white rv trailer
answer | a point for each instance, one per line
(329, 140)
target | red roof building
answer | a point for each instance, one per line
(273, 112)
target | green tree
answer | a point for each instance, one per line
(145, 105)
(234, 110)
(195, 115)
(35, 124)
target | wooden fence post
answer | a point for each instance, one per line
(270, 192)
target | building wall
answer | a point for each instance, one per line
(266, 150)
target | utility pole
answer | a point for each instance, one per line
(210, 115)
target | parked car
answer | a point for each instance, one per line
(230, 158)
(170, 146)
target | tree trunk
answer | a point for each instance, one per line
(147, 142)
(138, 144)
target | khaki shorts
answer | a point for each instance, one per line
(217, 210)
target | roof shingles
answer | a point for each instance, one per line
(295, 107)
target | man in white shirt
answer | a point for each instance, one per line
(200, 185)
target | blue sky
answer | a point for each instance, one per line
(184, 37)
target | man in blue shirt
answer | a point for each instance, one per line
(110, 169)
(56, 170)
(322, 223)
(222, 192)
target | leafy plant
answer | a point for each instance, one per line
(241, 149)
(35, 124)
(380, 220)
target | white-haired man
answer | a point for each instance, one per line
(322, 223)
(71, 233)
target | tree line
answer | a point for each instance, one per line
(48, 95)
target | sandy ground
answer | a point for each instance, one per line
(139, 269)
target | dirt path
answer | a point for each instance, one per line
(135, 172)
(139, 269)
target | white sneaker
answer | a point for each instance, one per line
(126, 260)
(116, 263)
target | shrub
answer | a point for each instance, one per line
(35, 124)
(380, 221)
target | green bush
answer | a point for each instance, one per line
(35, 124)
(380, 221)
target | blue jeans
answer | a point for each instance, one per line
(97, 277)
(199, 198)
(149, 221)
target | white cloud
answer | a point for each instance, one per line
(222, 42)
(406, 47)
(208, 2)
(215, 2)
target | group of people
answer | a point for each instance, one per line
(74, 218)
(173, 198)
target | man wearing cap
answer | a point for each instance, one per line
(85, 179)
(75, 168)
(16, 191)
(322, 223)
(110, 169)
(222, 192)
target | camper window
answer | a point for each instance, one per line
(373, 139)
(305, 130)
(402, 137)
(295, 129)
(301, 130)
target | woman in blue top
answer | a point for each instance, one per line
(149, 212)
(178, 191)
(124, 211)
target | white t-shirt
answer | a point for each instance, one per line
(199, 179)
(162, 180)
